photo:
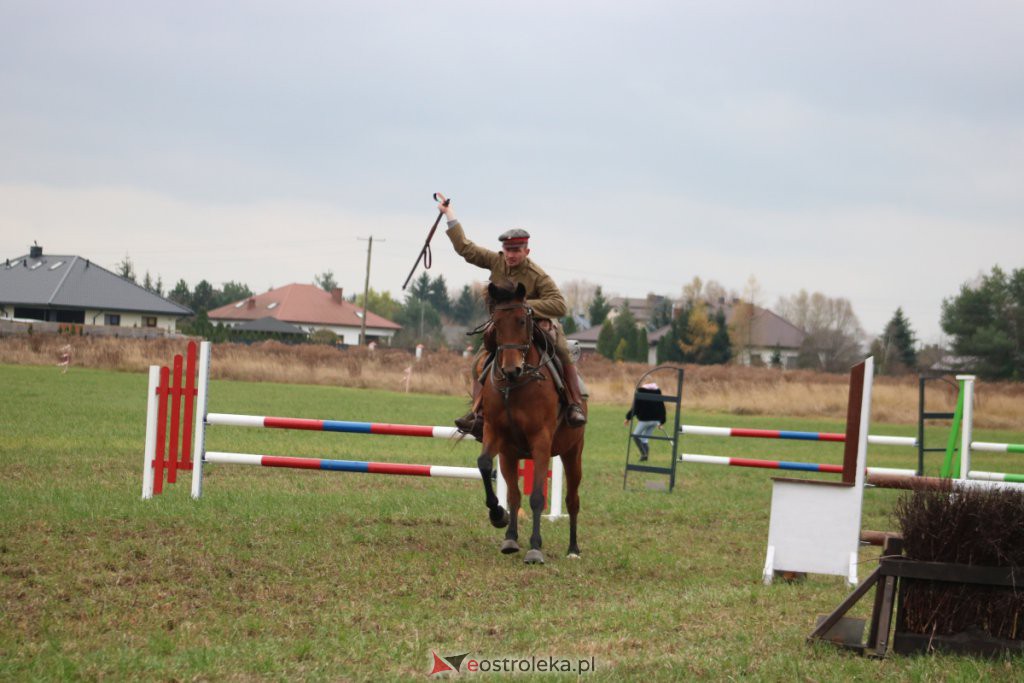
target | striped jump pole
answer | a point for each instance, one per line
(878, 439)
(344, 426)
(783, 465)
(990, 447)
(978, 475)
(353, 466)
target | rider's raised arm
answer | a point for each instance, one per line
(470, 251)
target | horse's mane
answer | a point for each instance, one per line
(499, 293)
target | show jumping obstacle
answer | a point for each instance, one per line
(814, 526)
(173, 406)
(962, 470)
(733, 432)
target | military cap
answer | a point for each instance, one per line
(516, 237)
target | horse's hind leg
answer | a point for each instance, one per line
(573, 464)
(497, 514)
(541, 461)
(510, 471)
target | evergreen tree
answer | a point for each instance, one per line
(126, 269)
(599, 308)
(719, 351)
(233, 291)
(325, 280)
(898, 353)
(421, 324)
(147, 282)
(642, 346)
(607, 341)
(626, 330)
(420, 289)
(438, 295)
(569, 325)
(203, 297)
(181, 294)
(986, 322)
(468, 308)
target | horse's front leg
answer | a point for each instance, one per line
(510, 471)
(541, 462)
(497, 514)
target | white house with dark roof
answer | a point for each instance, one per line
(72, 289)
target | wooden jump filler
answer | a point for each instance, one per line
(815, 525)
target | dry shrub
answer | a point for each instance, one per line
(977, 527)
(715, 388)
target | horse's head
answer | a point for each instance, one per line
(513, 326)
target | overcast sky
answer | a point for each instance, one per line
(867, 150)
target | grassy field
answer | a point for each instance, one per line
(279, 574)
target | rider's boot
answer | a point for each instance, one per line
(473, 421)
(575, 417)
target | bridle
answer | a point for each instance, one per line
(523, 348)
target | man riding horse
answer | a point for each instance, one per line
(513, 264)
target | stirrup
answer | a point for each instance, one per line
(471, 423)
(575, 416)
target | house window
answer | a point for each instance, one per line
(149, 321)
(112, 319)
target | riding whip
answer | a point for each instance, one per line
(425, 254)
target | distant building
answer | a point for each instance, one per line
(309, 308)
(766, 334)
(587, 338)
(74, 290)
(642, 308)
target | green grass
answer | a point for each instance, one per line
(286, 575)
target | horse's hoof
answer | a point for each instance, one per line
(534, 556)
(573, 556)
(509, 547)
(499, 517)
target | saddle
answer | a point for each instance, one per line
(542, 339)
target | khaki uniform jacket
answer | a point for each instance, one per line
(542, 293)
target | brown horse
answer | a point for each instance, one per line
(524, 419)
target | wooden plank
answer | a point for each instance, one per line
(838, 613)
(954, 573)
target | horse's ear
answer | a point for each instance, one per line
(521, 291)
(491, 289)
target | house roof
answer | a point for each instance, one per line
(588, 335)
(56, 281)
(269, 324)
(301, 305)
(768, 329)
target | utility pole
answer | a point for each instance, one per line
(366, 289)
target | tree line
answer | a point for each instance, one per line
(707, 325)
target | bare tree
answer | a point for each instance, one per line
(834, 333)
(578, 295)
(712, 292)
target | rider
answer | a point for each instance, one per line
(542, 295)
